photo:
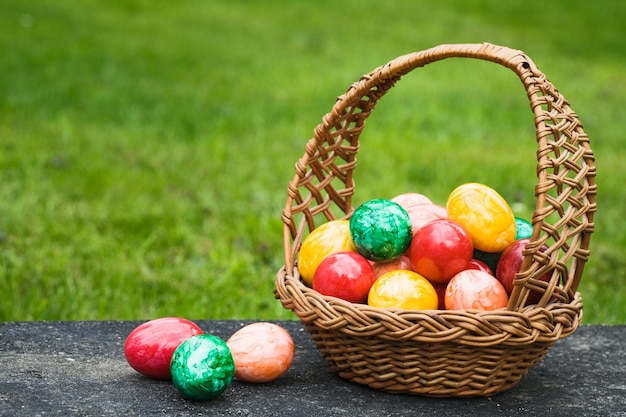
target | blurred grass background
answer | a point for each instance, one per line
(145, 146)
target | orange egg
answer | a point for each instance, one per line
(403, 289)
(485, 214)
(401, 262)
(262, 352)
(327, 239)
(472, 289)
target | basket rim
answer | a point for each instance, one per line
(533, 324)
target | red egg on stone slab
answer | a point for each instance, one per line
(149, 347)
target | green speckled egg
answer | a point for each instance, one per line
(381, 229)
(202, 367)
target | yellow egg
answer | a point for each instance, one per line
(327, 239)
(484, 214)
(403, 289)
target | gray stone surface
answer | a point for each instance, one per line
(79, 369)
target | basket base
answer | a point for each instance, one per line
(433, 370)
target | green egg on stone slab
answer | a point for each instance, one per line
(202, 367)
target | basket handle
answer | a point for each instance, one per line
(566, 186)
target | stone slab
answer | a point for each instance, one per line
(79, 369)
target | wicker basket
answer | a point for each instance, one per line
(457, 353)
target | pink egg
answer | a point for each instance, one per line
(407, 200)
(420, 208)
(424, 213)
(262, 352)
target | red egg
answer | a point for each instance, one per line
(510, 264)
(149, 347)
(346, 275)
(440, 249)
(489, 259)
(262, 352)
(475, 290)
(440, 289)
(479, 265)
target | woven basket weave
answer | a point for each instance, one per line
(446, 353)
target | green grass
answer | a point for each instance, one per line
(145, 146)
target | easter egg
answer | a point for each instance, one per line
(484, 214)
(440, 249)
(262, 352)
(380, 229)
(510, 264)
(425, 213)
(440, 289)
(408, 200)
(345, 275)
(523, 229)
(402, 289)
(489, 259)
(149, 347)
(202, 367)
(326, 239)
(475, 290)
(480, 265)
(420, 209)
(401, 262)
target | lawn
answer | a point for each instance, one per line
(146, 146)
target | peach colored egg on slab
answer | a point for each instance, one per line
(262, 352)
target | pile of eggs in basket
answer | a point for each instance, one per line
(410, 253)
